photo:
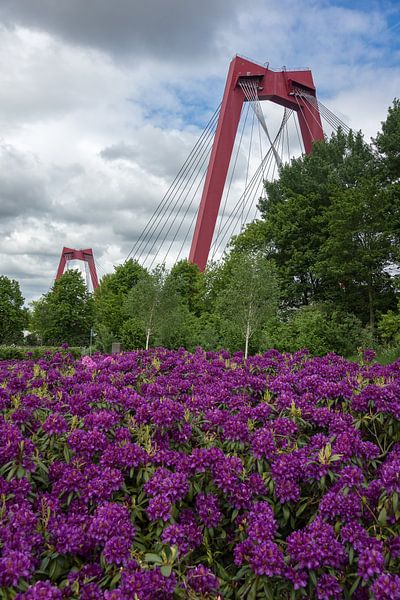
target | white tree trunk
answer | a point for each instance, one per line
(246, 348)
(149, 328)
(148, 338)
(248, 328)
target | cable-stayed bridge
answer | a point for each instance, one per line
(202, 207)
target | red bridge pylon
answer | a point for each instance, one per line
(85, 255)
(292, 89)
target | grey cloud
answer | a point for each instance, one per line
(121, 151)
(22, 188)
(159, 151)
(165, 29)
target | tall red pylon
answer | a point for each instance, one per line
(85, 255)
(279, 87)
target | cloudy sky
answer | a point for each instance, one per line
(102, 100)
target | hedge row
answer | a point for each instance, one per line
(35, 352)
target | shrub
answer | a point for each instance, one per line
(165, 474)
(35, 352)
(319, 329)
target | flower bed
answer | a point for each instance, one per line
(174, 475)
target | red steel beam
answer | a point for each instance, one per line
(278, 87)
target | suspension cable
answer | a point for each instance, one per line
(180, 188)
(329, 116)
(258, 179)
(201, 161)
(183, 219)
(248, 164)
(302, 112)
(181, 173)
(185, 180)
(299, 137)
(249, 88)
(261, 169)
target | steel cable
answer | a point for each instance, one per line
(181, 173)
(201, 159)
(180, 189)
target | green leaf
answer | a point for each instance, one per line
(152, 558)
(354, 586)
(268, 591)
(166, 570)
(301, 509)
(252, 595)
(382, 518)
(115, 579)
(20, 472)
(286, 513)
(395, 501)
(67, 454)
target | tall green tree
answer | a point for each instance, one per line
(388, 143)
(296, 210)
(331, 223)
(187, 281)
(156, 311)
(110, 296)
(143, 303)
(65, 313)
(249, 299)
(362, 243)
(13, 315)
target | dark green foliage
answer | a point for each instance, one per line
(331, 223)
(133, 335)
(300, 210)
(320, 329)
(110, 296)
(389, 326)
(13, 315)
(188, 283)
(65, 314)
(388, 143)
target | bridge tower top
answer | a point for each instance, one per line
(293, 89)
(84, 255)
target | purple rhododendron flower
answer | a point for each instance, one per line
(202, 580)
(126, 471)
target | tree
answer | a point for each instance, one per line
(143, 303)
(361, 244)
(155, 309)
(65, 313)
(187, 281)
(248, 300)
(388, 143)
(321, 329)
(296, 210)
(13, 315)
(111, 294)
(331, 223)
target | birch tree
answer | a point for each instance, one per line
(144, 300)
(248, 300)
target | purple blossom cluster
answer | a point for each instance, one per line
(163, 474)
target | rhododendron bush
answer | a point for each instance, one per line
(164, 474)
